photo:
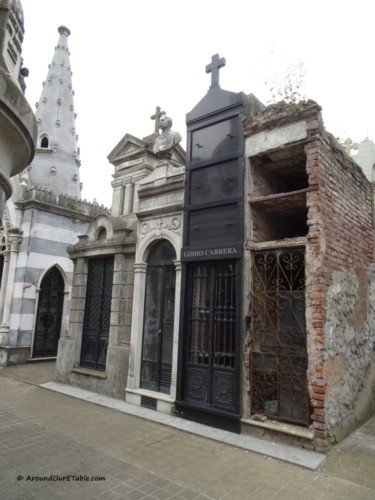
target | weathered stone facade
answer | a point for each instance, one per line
(160, 219)
(309, 206)
(45, 213)
(338, 238)
(120, 245)
(146, 208)
(259, 318)
(31, 250)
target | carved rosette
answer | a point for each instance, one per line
(157, 225)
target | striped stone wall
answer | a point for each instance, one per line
(45, 237)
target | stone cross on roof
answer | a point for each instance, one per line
(156, 116)
(213, 68)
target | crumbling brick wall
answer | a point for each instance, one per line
(340, 291)
(340, 251)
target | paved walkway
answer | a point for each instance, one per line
(55, 446)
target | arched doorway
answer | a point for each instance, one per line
(157, 343)
(49, 314)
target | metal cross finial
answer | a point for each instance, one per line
(158, 114)
(213, 68)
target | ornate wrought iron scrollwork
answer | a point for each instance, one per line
(278, 336)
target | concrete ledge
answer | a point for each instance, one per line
(89, 373)
(160, 396)
(286, 453)
(273, 425)
(41, 360)
(276, 138)
(164, 402)
(14, 355)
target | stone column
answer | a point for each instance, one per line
(128, 198)
(117, 322)
(65, 315)
(3, 295)
(176, 327)
(117, 198)
(14, 237)
(69, 350)
(77, 306)
(137, 325)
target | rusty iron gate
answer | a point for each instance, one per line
(278, 336)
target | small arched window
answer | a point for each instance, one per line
(44, 143)
(102, 233)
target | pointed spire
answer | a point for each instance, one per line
(56, 163)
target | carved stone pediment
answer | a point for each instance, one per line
(130, 148)
(127, 149)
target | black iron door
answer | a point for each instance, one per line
(211, 346)
(97, 313)
(278, 336)
(49, 314)
(156, 366)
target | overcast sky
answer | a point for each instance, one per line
(127, 57)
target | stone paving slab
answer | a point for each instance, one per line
(290, 454)
(45, 434)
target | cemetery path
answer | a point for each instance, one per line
(56, 446)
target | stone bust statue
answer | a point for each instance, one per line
(167, 140)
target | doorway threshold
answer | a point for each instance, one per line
(41, 360)
(161, 396)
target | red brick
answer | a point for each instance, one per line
(320, 389)
(317, 404)
(320, 434)
(319, 425)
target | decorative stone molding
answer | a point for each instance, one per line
(140, 267)
(15, 242)
(53, 170)
(171, 223)
(6, 257)
(65, 201)
(178, 265)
